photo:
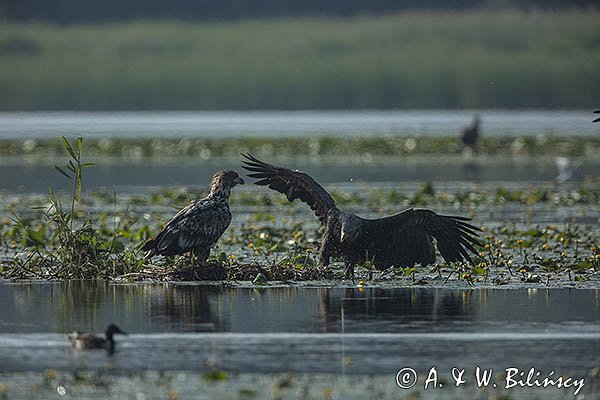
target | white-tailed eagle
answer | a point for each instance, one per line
(197, 227)
(400, 240)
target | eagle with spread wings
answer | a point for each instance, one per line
(197, 227)
(401, 240)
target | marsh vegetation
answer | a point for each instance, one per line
(99, 234)
(362, 148)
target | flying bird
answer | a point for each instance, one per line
(87, 341)
(470, 133)
(400, 240)
(597, 119)
(197, 227)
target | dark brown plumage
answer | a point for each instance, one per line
(597, 119)
(470, 133)
(197, 227)
(87, 341)
(400, 240)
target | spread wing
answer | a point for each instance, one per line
(597, 119)
(407, 238)
(201, 223)
(294, 184)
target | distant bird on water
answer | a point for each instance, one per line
(470, 133)
(566, 168)
(197, 227)
(597, 119)
(87, 341)
(400, 240)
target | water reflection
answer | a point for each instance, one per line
(396, 310)
(471, 171)
(169, 307)
(335, 330)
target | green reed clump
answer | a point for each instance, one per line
(63, 246)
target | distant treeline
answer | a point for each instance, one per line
(444, 60)
(66, 11)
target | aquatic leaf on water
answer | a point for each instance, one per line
(479, 270)
(215, 375)
(583, 265)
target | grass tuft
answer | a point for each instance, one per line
(71, 251)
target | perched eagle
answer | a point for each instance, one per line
(197, 227)
(470, 133)
(401, 240)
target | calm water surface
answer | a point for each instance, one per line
(270, 330)
(289, 123)
(392, 172)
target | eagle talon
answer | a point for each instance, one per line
(320, 273)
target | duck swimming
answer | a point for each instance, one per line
(87, 341)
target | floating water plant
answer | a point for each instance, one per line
(364, 149)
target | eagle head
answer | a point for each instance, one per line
(223, 181)
(350, 230)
